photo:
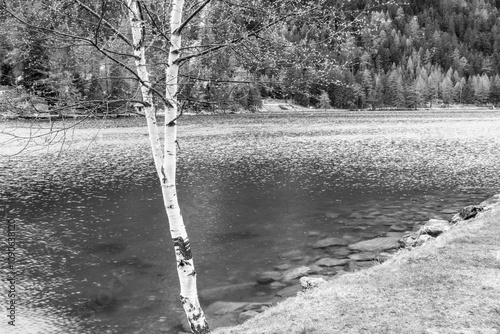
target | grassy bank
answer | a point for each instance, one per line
(449, 285)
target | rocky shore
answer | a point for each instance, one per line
(340, 255)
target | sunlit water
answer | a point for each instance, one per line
(94, 253)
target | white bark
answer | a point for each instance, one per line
(165, 162)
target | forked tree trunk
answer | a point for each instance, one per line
(165, 162)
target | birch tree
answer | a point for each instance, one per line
(165, 160)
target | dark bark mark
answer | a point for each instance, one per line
(184, 247)
(164, 179)
(143, 27)
(197, 329)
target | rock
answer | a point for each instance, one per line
(409, 240)
(395, 234)
(384, 257)
(330, 262)
(351, 238)
(434, 227)
(340, 251)
(448, 211)
(269, 276)
(244, 316)
(284, 266)
(218, 292)
(226, 320)
(467, 213)
(398, 228)
(309, 283)
(328, 242)
(222, 307)
(289, 291)
(276, 285)
(376, 245)
(366, 264)
(314, 269)
(355, 266)
(352, 266)
(313, 234)
(295, 273)
(362, 256)
(423, 238)
(417, 227)
(256, 306)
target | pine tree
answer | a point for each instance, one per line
(495, 90)
(324, 100)
(422, 90)
(446, 88)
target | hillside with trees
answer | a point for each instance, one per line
(346, 54)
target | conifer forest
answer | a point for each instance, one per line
(359, 54)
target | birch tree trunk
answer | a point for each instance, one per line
(165, 162)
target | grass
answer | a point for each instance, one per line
(449, 285)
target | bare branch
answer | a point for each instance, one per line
(101, 19)
(193, 15)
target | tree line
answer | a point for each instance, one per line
(343, 54)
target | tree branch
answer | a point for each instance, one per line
(190, 17)
(109, 25)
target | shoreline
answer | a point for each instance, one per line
(447, 285)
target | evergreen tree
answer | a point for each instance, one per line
(324, 100)
(421, 90)
(495, 90)
(447, 92)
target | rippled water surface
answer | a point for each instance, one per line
(256, 191)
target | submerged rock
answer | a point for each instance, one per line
(330, 262)
(289, 291)
(284, 266)
(398, 228)
(395, 234)
(222, 307)
(362, 256)
(340, 251)
(276, 285)
(294, 273)
(269, 276)
(355, 266)
(244, 316)
(220, 291)
(315, 269)
(376, 245)
(328, 242)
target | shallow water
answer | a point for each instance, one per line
(92, 229)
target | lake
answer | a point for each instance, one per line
(257, 191)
